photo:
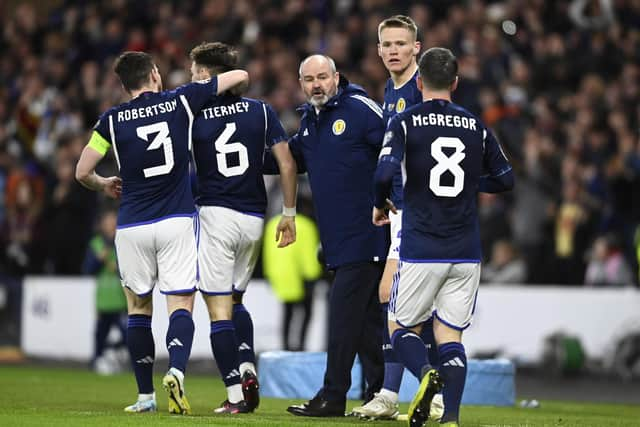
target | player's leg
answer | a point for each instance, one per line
(393, 367)
(141, 348)
(177, 278)
(179, 340)
(412, 298)
(246, 258)
(454, 309)
(220, 240)
(138, 270)
(224, 346)
(384, 404)
(243, 324)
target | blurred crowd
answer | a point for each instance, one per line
(558, 81)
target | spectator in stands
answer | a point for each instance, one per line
(505, 265)
(71, 207)
(21, 237)
(567, 77)
(607, 265)
(571, 235)
(111, 304)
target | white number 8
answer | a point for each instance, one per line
(223, 147)
(447, 163)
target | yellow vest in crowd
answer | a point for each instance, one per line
(288, 268)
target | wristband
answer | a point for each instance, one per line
(288, 211)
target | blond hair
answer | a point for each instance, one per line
(399, 21)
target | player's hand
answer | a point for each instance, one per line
(286, 231)
(390, 206)
(112, 187)
(380, 216)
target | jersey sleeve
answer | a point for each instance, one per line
(274, 132)
(101, 137)
(498, 174)
(495, 162)
(389, 161)
(393, 144)
(199, 93)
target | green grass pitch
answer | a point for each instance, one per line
(35, 396)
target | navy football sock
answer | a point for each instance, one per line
(393, 368)
(225, 350)
(142, 350)
(453, 371)
(430, 341)
(244, 333)
(410, 349)
(180, 339)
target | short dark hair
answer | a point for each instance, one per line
(438, 68)
(134, 69)
(399, 21)
(217, 57)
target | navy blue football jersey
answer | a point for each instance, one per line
(151, 140)
(444, 152)
(396, 100)
(230, 136)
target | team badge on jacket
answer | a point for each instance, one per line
(401, 105)
(338, 127)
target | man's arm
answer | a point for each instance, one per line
(375, 122)
(288, 176)
(499, 175)
(390, 157)
(236, 80)
(496, 184)
(286, 231)
(382, 180)
(87, 176)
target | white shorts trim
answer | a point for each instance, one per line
(444, 289)
(162, 252)
(396, 234)
(228, 249)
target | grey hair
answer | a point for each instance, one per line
(331, 62)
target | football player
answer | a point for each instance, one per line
(155, 238)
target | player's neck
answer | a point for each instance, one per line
(400, 79)
(137, 92)
(428, 95)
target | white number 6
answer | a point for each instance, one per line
(224, 147)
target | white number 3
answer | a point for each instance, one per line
(163, 140)
(447, 163)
